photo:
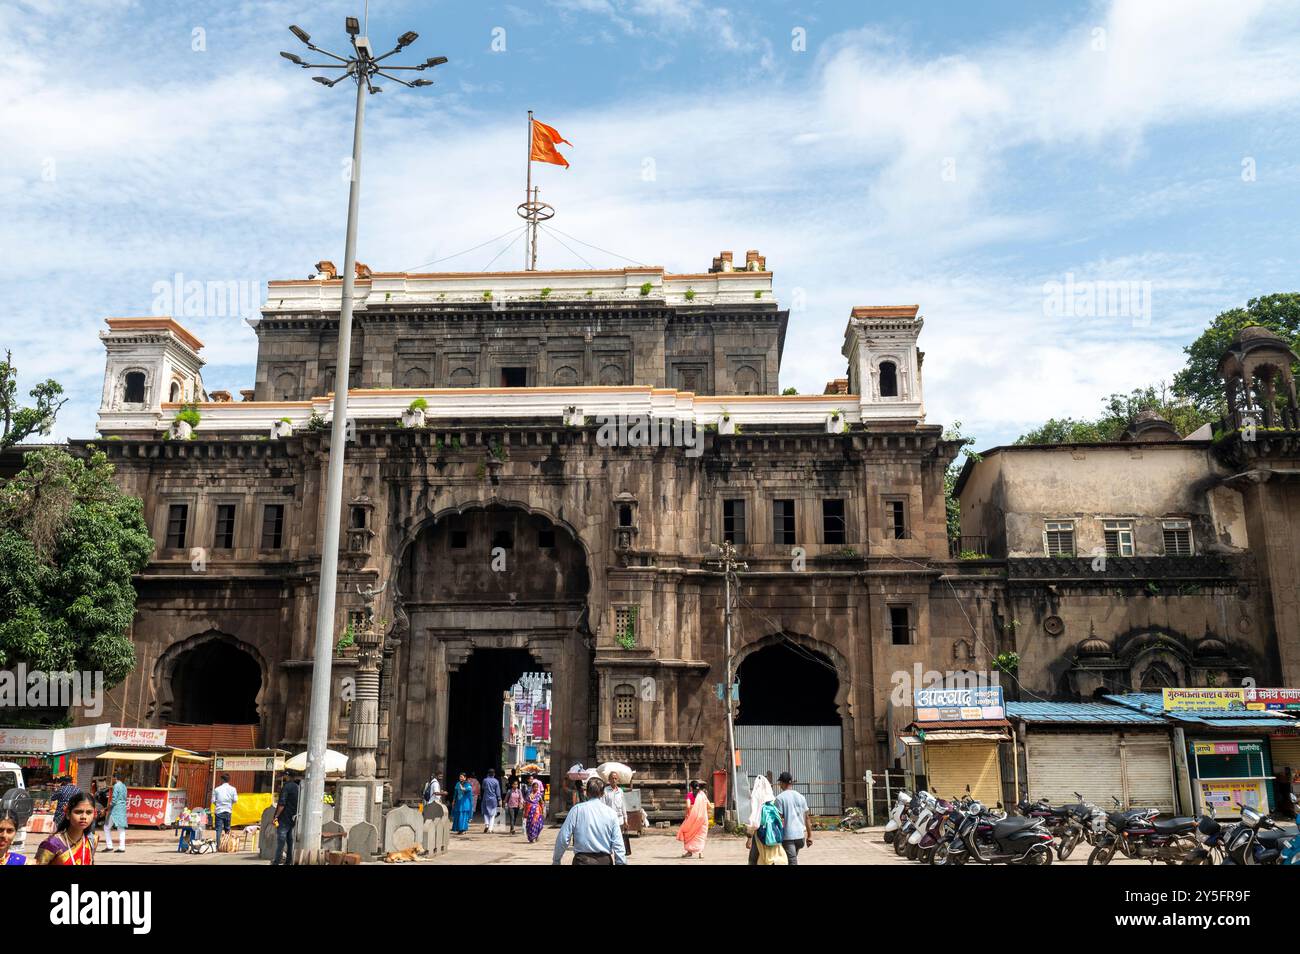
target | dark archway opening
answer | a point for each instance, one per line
(216, 683)
(787, 684)
(475, 709)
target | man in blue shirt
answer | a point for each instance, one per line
(594, 829)
(797, 833)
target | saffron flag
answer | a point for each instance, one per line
(545, 139)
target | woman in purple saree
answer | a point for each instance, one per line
(535, 816)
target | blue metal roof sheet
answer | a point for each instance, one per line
(1153, 703)
(1099, 713)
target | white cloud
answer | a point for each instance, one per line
(838, 179)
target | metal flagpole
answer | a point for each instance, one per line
(530, 236)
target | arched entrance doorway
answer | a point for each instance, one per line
(478, 722)
(489, 592)
(788, 718)
(211, 678)
(216, 683)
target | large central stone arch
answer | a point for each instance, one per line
(454, 596)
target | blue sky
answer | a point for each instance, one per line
(959, 156)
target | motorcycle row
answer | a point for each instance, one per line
(923, 827)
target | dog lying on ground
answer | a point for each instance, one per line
(406, 854)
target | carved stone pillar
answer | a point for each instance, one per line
(363, 727)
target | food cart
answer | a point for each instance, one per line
(153, 798)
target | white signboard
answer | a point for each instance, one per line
(352, 806)
(123, 735)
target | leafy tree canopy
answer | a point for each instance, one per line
(1199, 381)
(70, 542)
(1118, 412)
(20, 422)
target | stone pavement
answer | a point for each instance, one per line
(654, 847)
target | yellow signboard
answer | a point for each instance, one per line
(1204, 700)
(1223, 795)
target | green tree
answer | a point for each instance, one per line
(1199, 381)
(70, 542)
(1118, 412)
(952, 505)
(22, 422)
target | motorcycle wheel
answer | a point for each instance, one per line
(910, 853)
(900, 844)
(1067, 845)
(1101, 855)
(939, 857)
(889, 837)
(925, 856)
(1039, 855)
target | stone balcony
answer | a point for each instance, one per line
(1202, 566)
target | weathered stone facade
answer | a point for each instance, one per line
(508, 523)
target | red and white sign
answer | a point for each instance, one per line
(123, 735)
(153, 807)
(1268, 699)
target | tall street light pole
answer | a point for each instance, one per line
(363, 66)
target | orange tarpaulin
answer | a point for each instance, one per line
(545, 140)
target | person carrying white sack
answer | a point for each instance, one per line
(762, 801)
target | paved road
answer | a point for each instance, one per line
(653, 847)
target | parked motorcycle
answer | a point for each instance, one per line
(901, 801)
(1138, 834)
(984, 837)
(1257, 840)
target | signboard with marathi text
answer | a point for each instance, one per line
(956, 705)
(249, 763)
(1223, 795)
(128, 735)
(1226, 748)
(1261, 700)
(1203, 700)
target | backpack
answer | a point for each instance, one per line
(428, 790)
(770, 826)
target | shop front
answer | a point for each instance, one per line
(1097, 750)
(955, 741)
(1226, 743)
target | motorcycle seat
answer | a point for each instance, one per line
(1010, 826)
(1173, 826)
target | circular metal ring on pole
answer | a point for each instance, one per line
(535, 211)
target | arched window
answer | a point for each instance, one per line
(746, 380)
(175, 394)
(625, 710)
(134, 393)
(624, 515)
(888, 379)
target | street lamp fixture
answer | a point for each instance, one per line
(362, 67)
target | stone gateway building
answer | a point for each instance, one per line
(540, 466)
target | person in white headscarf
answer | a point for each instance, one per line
(760, 854)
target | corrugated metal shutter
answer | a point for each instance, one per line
(1135, 768)
(811, 753)
(1149, 772)
(951, 766)
(1062, 763)
(1286, 753)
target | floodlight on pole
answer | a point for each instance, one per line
(361, 67)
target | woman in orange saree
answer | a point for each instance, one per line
(695, 827)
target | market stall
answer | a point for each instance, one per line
(261, 767)
(153, 798)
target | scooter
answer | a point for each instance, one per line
(923, 819)
(1137, 834)
(896, 816)
(1005, 841)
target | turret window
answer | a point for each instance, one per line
(888, 379)
(134, 393)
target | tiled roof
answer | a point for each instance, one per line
(1077, 712)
